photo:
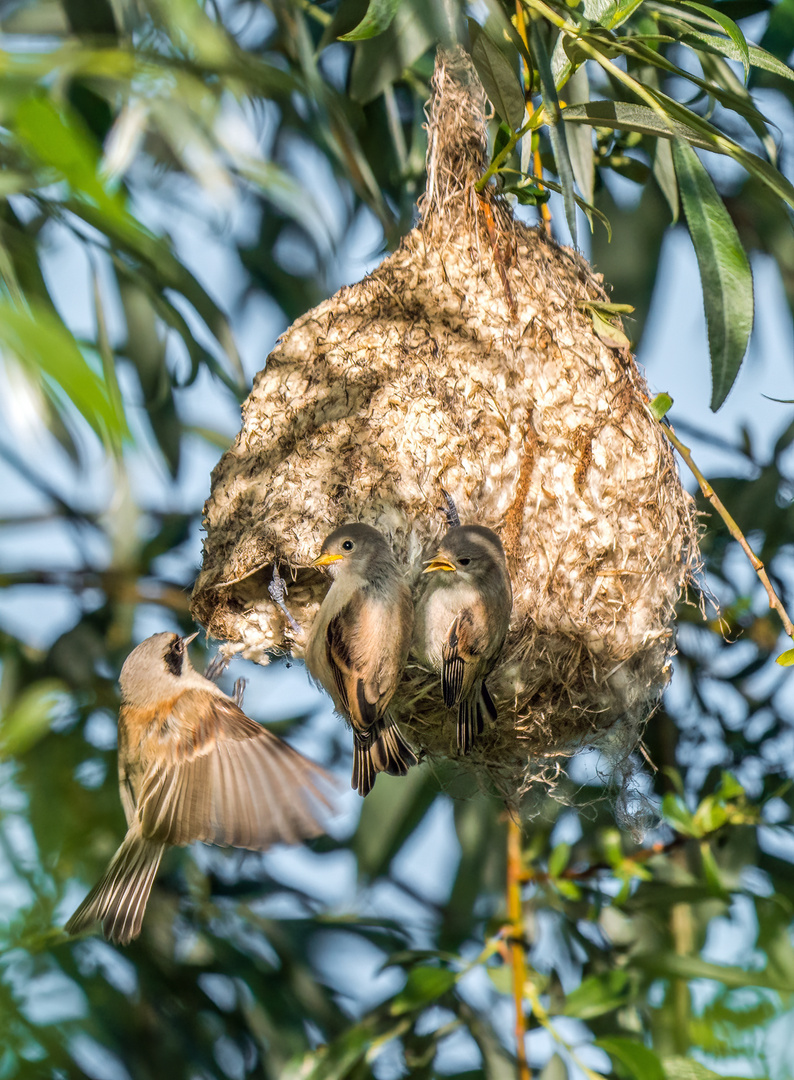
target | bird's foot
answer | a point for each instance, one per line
(450, 510)
(278, 591)
(216, 667)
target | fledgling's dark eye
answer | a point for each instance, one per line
(463, 562)
(348, 545)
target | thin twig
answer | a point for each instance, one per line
(545, 211)
(120, 586)
(710, 494)
(517, 946)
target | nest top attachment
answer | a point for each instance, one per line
(466, 364)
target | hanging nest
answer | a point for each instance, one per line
(466, 363)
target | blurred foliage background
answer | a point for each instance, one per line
(178, 182)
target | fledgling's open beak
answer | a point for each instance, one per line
(326, 558)
(192, 637)
(439, 563)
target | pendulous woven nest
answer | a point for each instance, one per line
(463, 363)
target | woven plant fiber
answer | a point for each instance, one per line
(466, 363)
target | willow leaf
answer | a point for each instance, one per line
(724, 271)
(559, 145)
(730, 28)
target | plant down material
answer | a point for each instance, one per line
(464, 363)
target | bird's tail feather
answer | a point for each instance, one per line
(472, 714)
(383, 749)
(119, 898)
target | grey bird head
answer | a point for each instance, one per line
(468, 553)
(157, 670)
(354, 547)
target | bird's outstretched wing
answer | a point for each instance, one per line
(225, 779)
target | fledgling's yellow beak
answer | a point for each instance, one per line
(326, 558)
(439, 563)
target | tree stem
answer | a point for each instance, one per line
(517, 946)
(774, 600)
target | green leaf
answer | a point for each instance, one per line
(675, 813)
(679, 122)
(606, 307)
(664, 174)
(528, 194)
(27, 720)
(681, 1068)
(641, 1062)
(501, 976)
(611, 335)
(423, 985)
(711, 871)
(49, 353)
(698, 39)
(498, 77)
(378, 18)
(786, 659)
(623, 116)
(730, 28)
(661, 405)
(59, 139)
(619, 13)
(729, 788)
(533, 182)
(579, 137)
(671, 965)
(558, 859)
(381, 61)
(503, 136)
(597, 995)
(779, 34)
(559, 144)
(724, 271)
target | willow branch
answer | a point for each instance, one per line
(120, 586)
(517, 942)
(708, 491)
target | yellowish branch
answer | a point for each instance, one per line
(774, 600)
(517, 946)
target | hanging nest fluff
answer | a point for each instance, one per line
(465, 363)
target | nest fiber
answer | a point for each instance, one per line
(467, 363)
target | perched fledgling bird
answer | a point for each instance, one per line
(358, 645)
(462, 617)
(192, 766)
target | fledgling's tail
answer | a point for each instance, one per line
(382, 748)
(472, 714)
(119, 898)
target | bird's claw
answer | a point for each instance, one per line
(216, 667)
(450, 510)
(278, 591)
(239, 692)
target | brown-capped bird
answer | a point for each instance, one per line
(192, 766)
(358, 645)
(462, 617)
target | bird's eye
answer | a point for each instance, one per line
(463, 562)
(348, 545)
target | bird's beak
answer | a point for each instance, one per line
(192, 637)
(325, 559)
(439, 563)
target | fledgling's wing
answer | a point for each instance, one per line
(462, 657)
(224, 779)
(354, 646)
